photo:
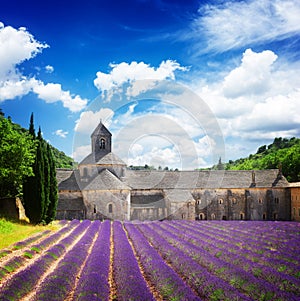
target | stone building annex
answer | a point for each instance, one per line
(104, 188)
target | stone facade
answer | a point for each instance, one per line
(295, 201)
(103, 188)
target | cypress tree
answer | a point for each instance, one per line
(31, 126)
(53, 195)
(40, 191)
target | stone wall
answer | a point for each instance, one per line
(110, 204)
(242, 204)
(12, 208)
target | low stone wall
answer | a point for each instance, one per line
(12, 208)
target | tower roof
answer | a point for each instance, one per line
(101, 129)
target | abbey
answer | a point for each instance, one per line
(104, 188)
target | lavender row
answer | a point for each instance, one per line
(253, 259)
(54, 237)
(12, 265)
(131, 285)
(208, 286)
(164, 278)
(25, 280)
(57, 285)
(279, 259)
(270, 237)
(235, 275)
(29, 240)
(94, 284)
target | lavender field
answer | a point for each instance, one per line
(170, 260)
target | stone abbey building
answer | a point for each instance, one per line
(104, 188)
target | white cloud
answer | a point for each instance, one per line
(89, 120)
(256, 101)
(53, 93)
(61, 133)
(235, 24)
(253, 76)
(49, 69)
(130, 73)
(17, 46)
(81, 152)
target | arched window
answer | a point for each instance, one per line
(85, 172)
(102, 143)
(95, 209)
(213, 216)
(201, 216)
(221, 201)
(110, 208)
(264, 216)
(242, 216)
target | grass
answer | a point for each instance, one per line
(14, 231)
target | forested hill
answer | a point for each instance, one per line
(62, 160)
(282, 151)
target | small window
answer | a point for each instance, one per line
(234, 201)
(213, 216)
(224, 218)
(299, 211)
(294, 212)
(110, 208)
(198, 202)
(85, 172)
(275, 216)
(242, 216)
(276, 200)
(260, 201)
(182, 216)
(102, 143)
(95, 209)
(221, 201)
(201, 216)
(264, 216)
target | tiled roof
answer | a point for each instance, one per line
(109, 159)
(62, 174)
(202, 179)
(105, 181)
(100, 129)
(68, 180)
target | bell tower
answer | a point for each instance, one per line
(101, 141)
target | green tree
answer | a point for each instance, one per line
(34, 192)
(17, 151)
(53, 193)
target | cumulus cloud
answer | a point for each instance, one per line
(253, 76)
(89, 120)
(81, 152)
(256, 101)
(235, 24)
(61, 133)
(17, 46)
(130, 73)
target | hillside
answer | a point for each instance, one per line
(282, 151)
(62, 160)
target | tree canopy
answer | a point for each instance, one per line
(17, 153)
(282, 151)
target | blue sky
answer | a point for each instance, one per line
(179, 83)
